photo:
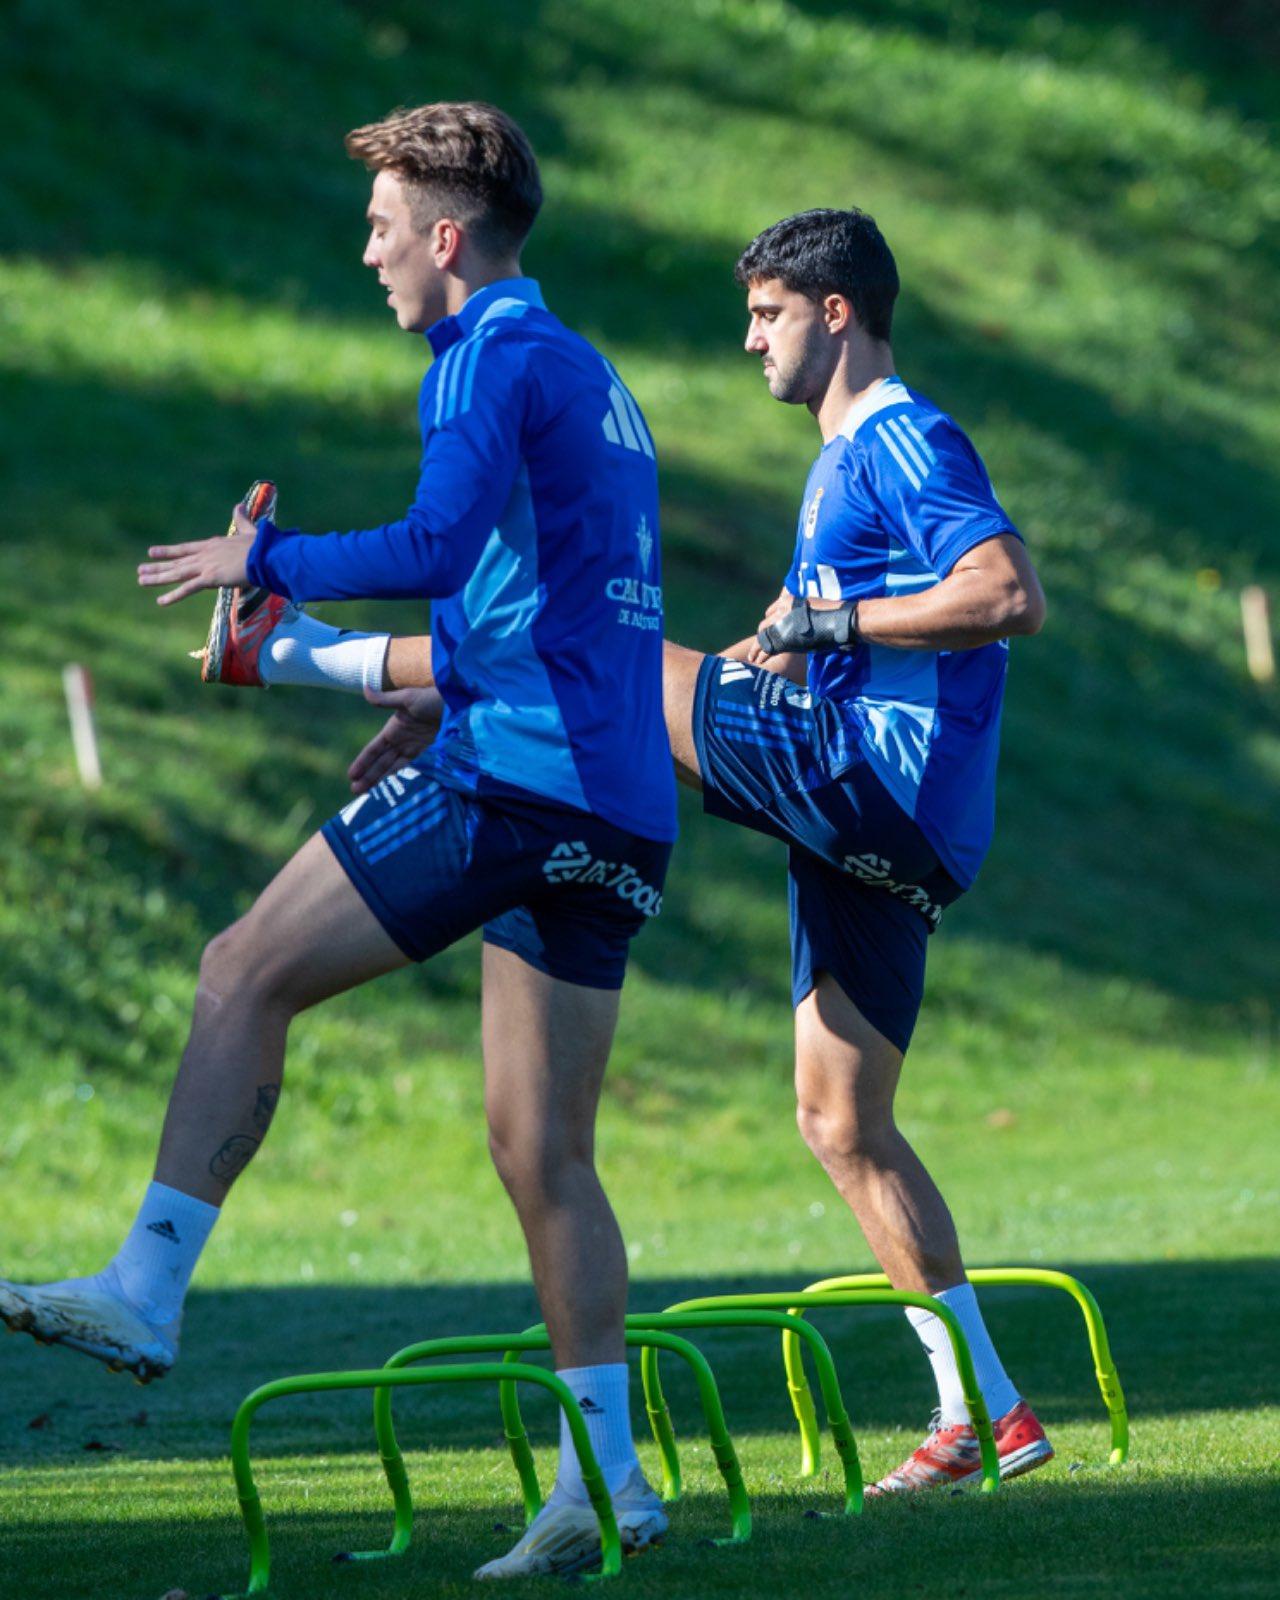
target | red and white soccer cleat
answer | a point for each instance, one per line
(243, 618)
(950, 1457)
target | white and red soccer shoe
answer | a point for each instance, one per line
(950, 1456)
(243, 617)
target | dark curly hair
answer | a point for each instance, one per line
(823, 252)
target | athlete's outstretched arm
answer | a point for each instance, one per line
(991, 593)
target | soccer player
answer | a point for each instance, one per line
(860, 726)
(537, 814)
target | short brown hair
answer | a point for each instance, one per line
(459, 158)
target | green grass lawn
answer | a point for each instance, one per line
(1085, 205)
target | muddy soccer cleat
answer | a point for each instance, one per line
(84, 1315)
(949, 1457)
(565, 1537)
(243, 617)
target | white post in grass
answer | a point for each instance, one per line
(1259, 653)
(79, 691)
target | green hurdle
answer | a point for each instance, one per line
(697, 1314)
(517, 1439)
(651, 1334)
(1042, 1277)
(381, 1380)
(802, 1399)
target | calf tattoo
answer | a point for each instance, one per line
(265, 1105)
(233, 1158)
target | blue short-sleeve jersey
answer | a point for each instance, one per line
(534, 532)
(890, 506)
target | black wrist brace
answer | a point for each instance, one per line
(804, 629)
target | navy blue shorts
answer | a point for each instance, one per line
(564, 890)
(866, 887)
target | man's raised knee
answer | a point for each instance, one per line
(236, 968)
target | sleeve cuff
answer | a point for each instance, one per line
(968, 538)
(258, 566)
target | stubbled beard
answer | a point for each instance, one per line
(796, 383)
(790, 387)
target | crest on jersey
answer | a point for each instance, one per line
(811, 514)
(644, 539)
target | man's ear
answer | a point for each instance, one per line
(447, 239)
(837, 313)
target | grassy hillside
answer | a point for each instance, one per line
(1086, 213)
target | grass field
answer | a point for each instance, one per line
(1085, 204)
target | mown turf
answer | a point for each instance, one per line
(1085, 204)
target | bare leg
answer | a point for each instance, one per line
(308, 936)
(546, 1044)
(679, 683)
(408, 663)
(846, 1077)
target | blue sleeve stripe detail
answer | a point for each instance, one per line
(637, 421)
(392, 838)
(740, 713)
(758, 738)
(925, 447)
(895, 451)
(623, 418)
(894, 424)
(473, 361)
(447, 368)
(778, 730)
(390, 820)
(624, 424)
(457, 380)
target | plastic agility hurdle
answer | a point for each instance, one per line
(801, 1398)
(382, 1379)
(1041, 1277)
(647, 1324)
(694, 1315)
(537, 1338)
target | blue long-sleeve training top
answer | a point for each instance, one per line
(534, 532)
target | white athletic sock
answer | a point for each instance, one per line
(997, 1389)
(303, 650)
(154, 1264)
(601, 1394)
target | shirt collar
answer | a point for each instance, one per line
(446, 332)
(890, 391)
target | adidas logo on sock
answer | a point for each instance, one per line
(588, 1407)
(166, 1230)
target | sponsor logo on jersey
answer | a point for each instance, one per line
(572, 862)
(391, 789)
(565, 862)
(877, 870)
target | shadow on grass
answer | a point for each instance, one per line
(1042, 1536)
(1187, 1337)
